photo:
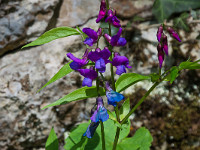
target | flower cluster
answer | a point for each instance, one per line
(163, 44)
(93, 63)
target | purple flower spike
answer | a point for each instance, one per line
(116, 40)
(121, 62)
(165, 45)
(89, 75)
(159, 33)
(112, 96)
(92, 36)
(91, 129)
(173, 33)
(102, 12)
(101, 112)
(77, 62)
(160, 54)
(113, 19)
(100, 57)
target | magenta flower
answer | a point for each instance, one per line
(160, 54)
(92, 36)
(116, 40)
(113, 19)
(121, 62)
(165, 44)
(77, 62)
(159, 33)
(102, 12)
(100, 57)
(173, 33)
(112, 96)
(89, 75)
(101, 113)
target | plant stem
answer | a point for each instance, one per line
(116, 139)
(102, 136)
(113, 85)
(142, 100)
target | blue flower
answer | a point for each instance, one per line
(91, 129)
(101, 113)
(100, 57)
(112, 96)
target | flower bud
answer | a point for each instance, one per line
(159, 33)
(165, 44)
(173, 33)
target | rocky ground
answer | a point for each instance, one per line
(171, 112)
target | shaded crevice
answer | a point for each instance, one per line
(54, 18)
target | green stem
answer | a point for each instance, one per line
(102, 136)
(141, 100)
(113, 85)
(116, 139)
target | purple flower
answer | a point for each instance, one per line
(165, 45)
(113, 19)
(89, 75)
(121, 62)
(173, 33)
(100, 57)
(102, 12)
(160, 54)
(116, 40)
(77, 62)
(101, 113)
(159, 33)
(92, 36)
(91, 129)
(112, 96)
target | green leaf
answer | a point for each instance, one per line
(181, 22)
(52, 141)
(128, 79)
(112, 116)
(189, 65)
(61, 73)
(140, 141)
(124, 110)
(163, 9)
(75, 139)
(84, 36)
(154, 77)
(173, 74)
(79, 94)
(53, 34)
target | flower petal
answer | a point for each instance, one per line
(87, 82)
(100, 65)
(105, 53)
(121, 42)
(89, 41)
(91, 129)
(120, 60)
(114, 97)
(120, 69)
(88, 73)
(91, 33)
